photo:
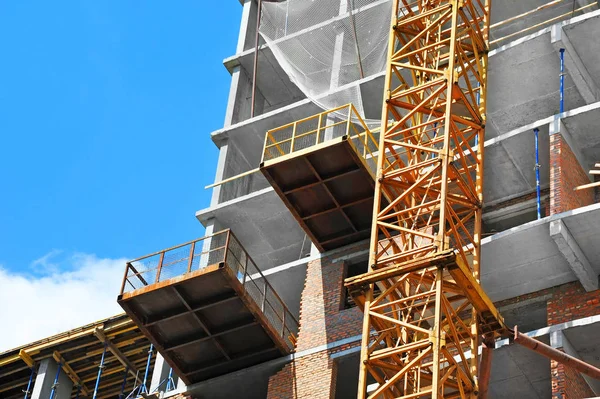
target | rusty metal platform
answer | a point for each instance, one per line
(207, 308)
(321, 167)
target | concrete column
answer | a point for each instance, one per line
(45, 380)
(246, 20)
(161, 374)
(207, 257)
(219, 174)
(336, 69)
(231, 116)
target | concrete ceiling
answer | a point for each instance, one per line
(584, 130)
(584, 38)
(509, 164)
(525, 258)
(524, 85)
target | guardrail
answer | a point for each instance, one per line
(222, 247)
(537, 18)
(319, 128)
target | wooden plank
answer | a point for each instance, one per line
(26, 358)
(594, 172)
(590, 185)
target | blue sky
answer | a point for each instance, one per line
(107, 107)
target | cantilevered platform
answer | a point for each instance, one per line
(322, 169)
(207, 308)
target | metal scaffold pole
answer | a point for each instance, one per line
(55, 384)
(536, 132)
(144, 387)
(28, 390)
(100, 367)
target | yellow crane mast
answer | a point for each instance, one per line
(424, 310)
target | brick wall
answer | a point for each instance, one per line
(565, 174)
(322, 321)
(571, 302)
(568, 383)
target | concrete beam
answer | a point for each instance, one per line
(577, 260)
(574, 65)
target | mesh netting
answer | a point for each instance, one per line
(326, 44)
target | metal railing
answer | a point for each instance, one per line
(538, 18)
(222, 247)
(319, 128)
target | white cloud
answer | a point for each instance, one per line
(78, 290)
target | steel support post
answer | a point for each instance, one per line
(100, 367)
(29, 384)
(536, 132)
(124, 383)
(562, 80)
(144, 388)
(55, 384)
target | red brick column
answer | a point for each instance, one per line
(568, 383)
(322, 321)
(565, 174)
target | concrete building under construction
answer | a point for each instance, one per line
(275, 301)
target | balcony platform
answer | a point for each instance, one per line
(208, 309)
(322, 169)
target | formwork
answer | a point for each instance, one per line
(207, 308)
(322, 169)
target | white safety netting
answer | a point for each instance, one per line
(326, 45)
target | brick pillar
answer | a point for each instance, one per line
(565, 174)
(568, 383)
(322, 321)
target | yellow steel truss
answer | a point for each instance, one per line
(422, 329)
